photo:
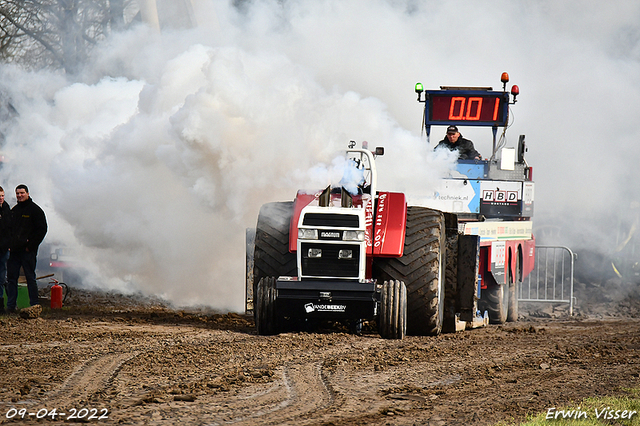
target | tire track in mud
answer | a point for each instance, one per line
(308, 392)
(97, 374)
(91, 377)
(302, 392)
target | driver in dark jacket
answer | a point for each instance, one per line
(28, 228)
(455, 141)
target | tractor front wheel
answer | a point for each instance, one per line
(392, 322)
(265, 307)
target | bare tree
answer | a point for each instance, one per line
(56, 33)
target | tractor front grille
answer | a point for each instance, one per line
(329, 264)
(331, 220)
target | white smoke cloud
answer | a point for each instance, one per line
(155, 161)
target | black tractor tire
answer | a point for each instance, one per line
(421, 268)
(451, 284)
(392, 322)
(495, 300)
(514, 286)
(265, 307)
(271, 256)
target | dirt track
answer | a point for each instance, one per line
(142, 363)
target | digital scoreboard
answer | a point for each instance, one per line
(466, 108)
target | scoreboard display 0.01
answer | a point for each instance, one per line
(471, 108)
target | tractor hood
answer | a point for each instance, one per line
(384, 227)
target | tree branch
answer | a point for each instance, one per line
(34, 36)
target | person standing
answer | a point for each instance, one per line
(5, 212)
(28, 228)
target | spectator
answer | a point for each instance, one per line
(28, 228)
(5, 212)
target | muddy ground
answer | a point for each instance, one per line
(132, 360)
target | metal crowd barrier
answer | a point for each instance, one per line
(551, 280)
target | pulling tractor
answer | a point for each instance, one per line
(355, 253)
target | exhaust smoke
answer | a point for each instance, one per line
(154, 160)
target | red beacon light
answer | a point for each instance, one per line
(515, 91)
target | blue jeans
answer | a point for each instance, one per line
(26, 260)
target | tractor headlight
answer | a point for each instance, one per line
(307, 234)
(345, 254)
(314, 253)
(353, 236)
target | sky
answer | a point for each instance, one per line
(154, 160)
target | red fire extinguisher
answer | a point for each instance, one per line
(56, 296)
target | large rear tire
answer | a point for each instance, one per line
(266, 316)
(271, 254)
(422, 268)
(392, 322)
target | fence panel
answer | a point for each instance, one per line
(551, 280)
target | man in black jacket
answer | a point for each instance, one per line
(28, 228)
(5, 212)
(455, 141)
